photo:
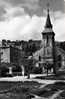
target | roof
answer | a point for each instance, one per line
(38, 53)
(6, 47)
(48, 26)
(48, 21)
(60, 51)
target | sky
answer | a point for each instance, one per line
(25, 19)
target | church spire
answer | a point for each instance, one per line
(48, 21)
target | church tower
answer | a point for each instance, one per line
(48, 41)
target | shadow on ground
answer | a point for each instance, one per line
(60, 75)
(28, 90)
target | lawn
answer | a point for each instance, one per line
(18, 90)
(30, 89)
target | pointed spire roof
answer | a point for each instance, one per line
(48, 26)
(48, 21)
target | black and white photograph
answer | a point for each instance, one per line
(32, 49)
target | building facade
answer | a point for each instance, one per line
(48, 41)
(10, 54)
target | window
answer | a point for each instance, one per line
(49, 51)
(39, 58)
(47, 39)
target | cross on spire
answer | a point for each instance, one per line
(48, 6)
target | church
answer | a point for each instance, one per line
(49, 52)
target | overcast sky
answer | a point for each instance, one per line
(25, 19)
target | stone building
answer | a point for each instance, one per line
(10, 54)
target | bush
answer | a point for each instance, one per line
(37, 70)
(3, 71)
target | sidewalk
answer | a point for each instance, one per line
(24, 78)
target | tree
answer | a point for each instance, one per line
(29, 67)
(8, 41)
(4, 42)
(62, 45)
(32, 48)
(48, 67)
